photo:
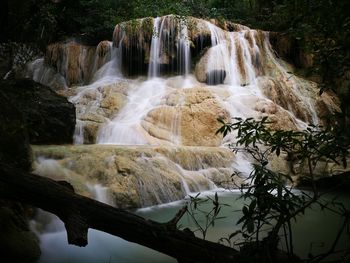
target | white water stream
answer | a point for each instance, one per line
(125, 127)
(237, 54)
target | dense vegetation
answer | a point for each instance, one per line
(270, 203)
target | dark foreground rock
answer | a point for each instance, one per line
(49, 118)
(18, 243)
(14, 140)
(29, 113)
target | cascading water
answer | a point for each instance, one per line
(126, 128)
(245, 80)
(236, 75)
(153, 135)
(299, 89)
(222, 59)
(183, 51)
(154, 67)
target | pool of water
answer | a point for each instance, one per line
(313, 233)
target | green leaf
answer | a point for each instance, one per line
(250, 226)
(234, 234)
(243, 218)
(252, 206)
(245, 210)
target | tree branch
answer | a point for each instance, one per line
(80, 213)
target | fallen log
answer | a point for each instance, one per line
(80, 213)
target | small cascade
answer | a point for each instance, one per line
(195, 181)
(91, 98)
(221, 64)
(130, 176)
(231, 59)
(183, 49)
(100, 193)
(154, 67)
(103, 54)
(78, 137)
(126, 128)
(175, 124)
(72, 60)
(301, 104)
(248, 76)
(170, 47)
(67, 64)
(46, 75)
(107, 63)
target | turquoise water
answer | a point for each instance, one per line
(313, 233)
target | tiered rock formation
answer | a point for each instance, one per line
(197, 71)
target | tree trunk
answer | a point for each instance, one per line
(80, 213)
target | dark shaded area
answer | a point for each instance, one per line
(14, 139)
(44, 21)
(288, 48)
(29, 113)
(335, 182)
(48, 117)
(17, 244)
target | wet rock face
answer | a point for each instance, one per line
(135, 40)
(136, 176)
(48, 117)
(95, 106)
(72, 60)
(289, 48)
(195, 110)
(103, 54)
(286, 93)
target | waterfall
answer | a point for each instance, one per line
(39, 72)
(169, 33)
(154, 67)
(249, 69)
(183, 50)
(298, 88)
(107, 71)
(107, 65)
(100, 193)
(125, 127)
(233, 56)
(147, 105)
(194, 72)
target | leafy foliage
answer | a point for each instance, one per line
(272, 204)
(195, 209)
